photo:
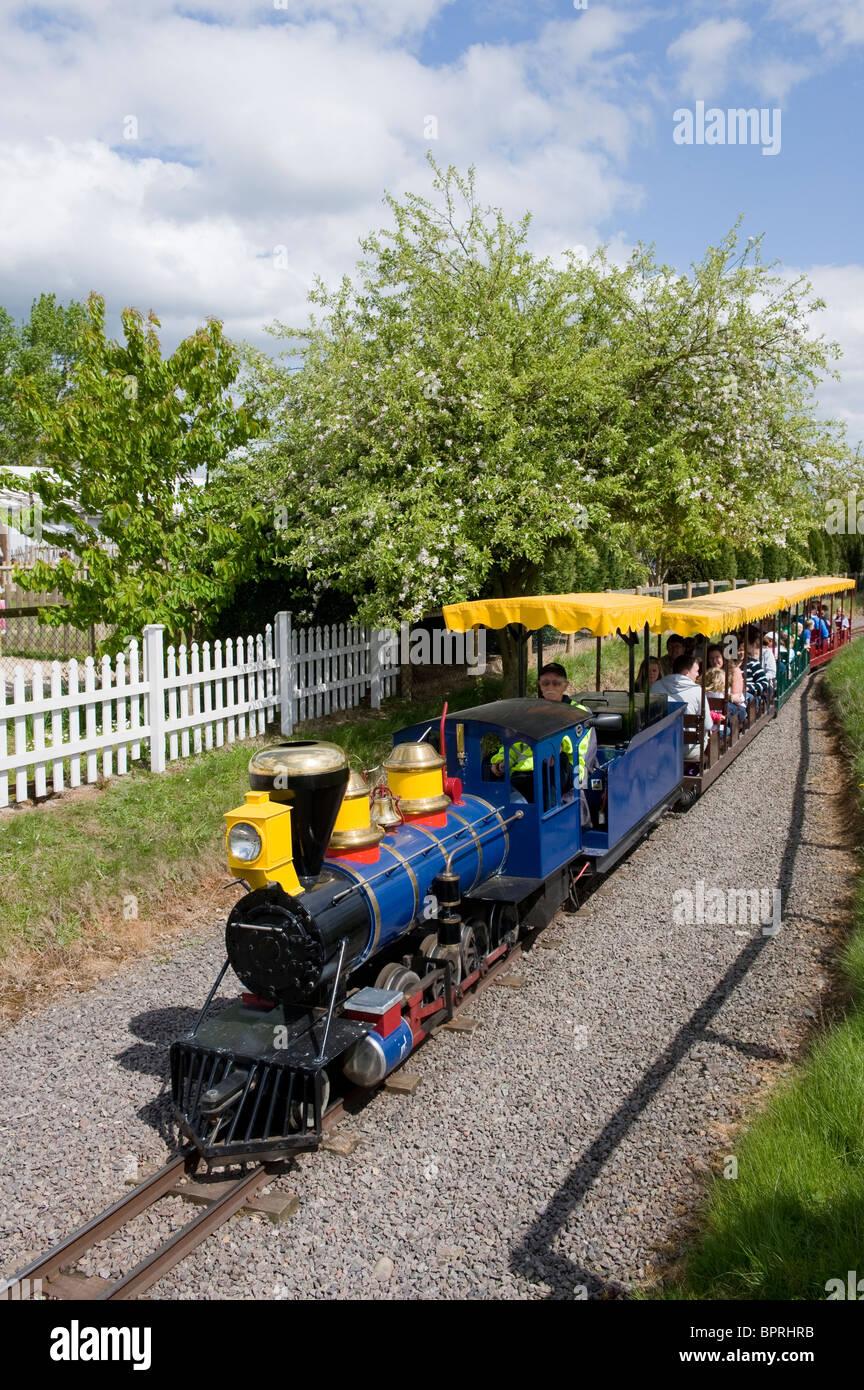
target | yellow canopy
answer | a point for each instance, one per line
(796, 590)
(726, 611)
(602, 614)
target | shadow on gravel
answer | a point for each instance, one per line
(535, 1257)
(158, 1028)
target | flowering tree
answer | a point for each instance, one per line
(725, 447)
(467, 412)
(438, 438)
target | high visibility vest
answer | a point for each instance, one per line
(522, 754)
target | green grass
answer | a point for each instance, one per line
(582, 668)
(794, 1217)
(69, 864)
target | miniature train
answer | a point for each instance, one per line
(357, 934)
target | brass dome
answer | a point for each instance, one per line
(303, 758)
(413, 757)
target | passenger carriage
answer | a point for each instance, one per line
(728, 614)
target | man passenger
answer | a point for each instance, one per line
(682, 685)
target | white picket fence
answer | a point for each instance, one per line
(65, 726)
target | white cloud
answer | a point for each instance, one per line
(842, 320)
(705, 55)
(388, 18)
(251, 138)
(839, 22)
(775, 78)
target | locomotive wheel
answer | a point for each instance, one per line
(396, 976)
(481, 936)
(469, 953)
(454, 955)
(504, 924)
(430, 948)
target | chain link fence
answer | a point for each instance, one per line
(24, 640)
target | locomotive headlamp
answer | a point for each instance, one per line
(244, 842)
(258, 841)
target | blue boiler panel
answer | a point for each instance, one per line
(395, 888)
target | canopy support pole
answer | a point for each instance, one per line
(522, 663)
(632, 639)
(599, 661)
(831, 624)
(647, 669)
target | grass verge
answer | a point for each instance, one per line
(794, 1218)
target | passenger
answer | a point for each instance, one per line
(714, 682)
(674, 649)
(553, 678)
(778, 645)
(715, 658)
(681, 685)
(758, 684)
(819, 623)
(655, 673)
(552, 683)
(826, 620)
(737, 704)
(768, 658)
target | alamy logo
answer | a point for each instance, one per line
(77, 1343)
(27, 521)
(845, 515)
(718, 907)
(853, 1288)
(437, 648)
(737, 126)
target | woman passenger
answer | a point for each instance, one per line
(655, 673)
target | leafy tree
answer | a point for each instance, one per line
(42, 349)
(725, 446)
(468, 418)
(127, 452)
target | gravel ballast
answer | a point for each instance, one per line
(560, 1150)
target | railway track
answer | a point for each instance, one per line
(54, 1272)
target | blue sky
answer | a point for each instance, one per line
(257, 126)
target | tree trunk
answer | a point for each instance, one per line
(515, 582)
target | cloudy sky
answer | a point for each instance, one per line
(160, 152)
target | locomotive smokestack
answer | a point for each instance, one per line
(311, 778)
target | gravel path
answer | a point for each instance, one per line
(560, 1147)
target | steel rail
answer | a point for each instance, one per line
(184, 1241)
(104, 1225)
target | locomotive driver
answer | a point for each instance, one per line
(552, 685)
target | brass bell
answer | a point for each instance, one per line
(384, 811)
